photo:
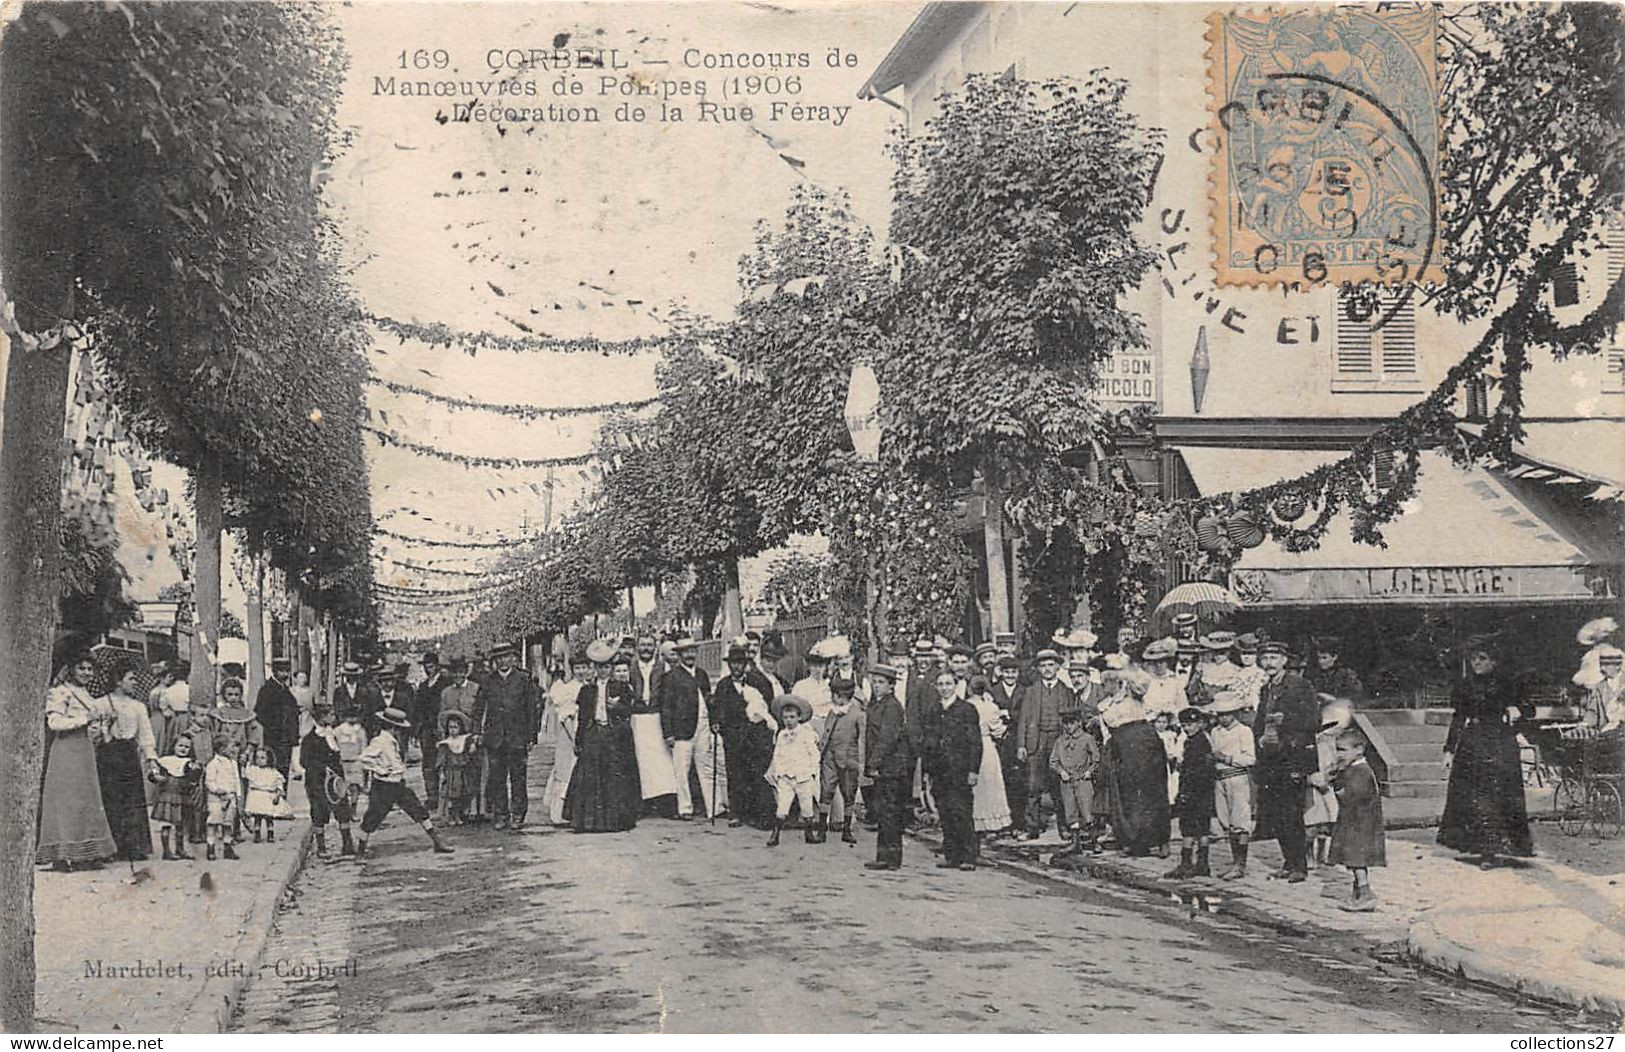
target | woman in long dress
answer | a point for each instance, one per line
(1484, 810)
(126, 753)
(990, 807)
(603, 795)
(73, 828)
(563, 717)
(1139, 772)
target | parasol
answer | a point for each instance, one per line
(1206, 600)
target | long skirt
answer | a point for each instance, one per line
(72, 824)
(603, 796)
(124, 796)
(564, 765)
(990, 808)
(1140, 814)
(1484, 809)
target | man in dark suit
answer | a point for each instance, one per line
(278, 714)
(394, 692)
(1285, 726)
(953, 756)
(646, 673)
(889, 761)
(1039, 727)
(426, 722)
(1008, 695)
(740, 713)
(684, 689)
(507, 719)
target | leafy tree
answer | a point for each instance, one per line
(1016, 208)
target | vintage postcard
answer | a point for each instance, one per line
(876, 518)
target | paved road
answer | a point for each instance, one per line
(683, 927)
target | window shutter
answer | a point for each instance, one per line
(1353, 338)
(1398, 335)
(1614, 247)
(1566, 285)
(1382, 469)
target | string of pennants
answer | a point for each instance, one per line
(520, 411)
(437, 335)
(390, 438)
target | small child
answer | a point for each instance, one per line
(1357, 840)
(224, 781)
(1234, 754)
(1193, 805)
(266, 787)
(351, 738)
(1319, 801)
(794, 770)
(840, 749)
(1073, 760)
(177, 777)
(326, 787)
(456, 757)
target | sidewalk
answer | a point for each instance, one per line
(172, 957)
(1544, 930)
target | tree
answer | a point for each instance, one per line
(1016, 209)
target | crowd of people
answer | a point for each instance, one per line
(1204, 736)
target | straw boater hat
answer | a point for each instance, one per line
(1077, 639)
(923, 648)
(1219, 640)
(883, 671)
(394, 717)
(1228, 701)
(684, 643)
(1046, 655)
(784, 701)
(1159, 650)
(350, 669)
(600, 652)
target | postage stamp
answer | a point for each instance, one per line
(1328, 134)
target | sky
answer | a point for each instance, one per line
(569, 229)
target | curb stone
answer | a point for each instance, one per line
(211, 1008)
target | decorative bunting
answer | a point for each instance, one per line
(389, 438)
(515, 543)
(438, 335)
(518, 410)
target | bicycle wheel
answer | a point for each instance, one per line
(1607, 815)
(1569, 806)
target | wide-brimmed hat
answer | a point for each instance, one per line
(394, 717)
(1228, 701)
(1076, 639)
(600, 652)
(785, 701)
(1159, 650)
(1219, 640)
(684, 643)
(350, 669)
(738, 653)
(923, 648)
(450, 714)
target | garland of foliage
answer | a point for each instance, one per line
(438, 335)
(519, 411)
(389, 438)
(382, 532)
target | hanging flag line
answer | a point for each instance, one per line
(438, 335)
(517, 542)
(388, 438)
(518, 410)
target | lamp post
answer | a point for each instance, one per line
(864, 425)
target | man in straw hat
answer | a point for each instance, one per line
(507, 721)
(382, 759)
(794, 770)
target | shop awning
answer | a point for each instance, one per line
(1463, 538)
(1574, 450)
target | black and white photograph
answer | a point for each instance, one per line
(812, 517)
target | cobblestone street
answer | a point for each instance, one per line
(689, 927)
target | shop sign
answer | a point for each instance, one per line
(1422, 584)
(1128, 379)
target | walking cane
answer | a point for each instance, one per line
(713, 729)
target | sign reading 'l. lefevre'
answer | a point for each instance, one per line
(1422, 584)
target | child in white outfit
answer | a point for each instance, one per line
(794, 770)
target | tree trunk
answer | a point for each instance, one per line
(255, 622)
(998, 582)
(330, 658)
(733, 612)
(39, 244)
(206, 583)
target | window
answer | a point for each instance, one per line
(1374, 345)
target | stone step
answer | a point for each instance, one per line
(1418, 717)
(1426, 771)
(1419, 752)
(1421, 790)
(1397, 734)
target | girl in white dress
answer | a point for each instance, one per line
(990, 808)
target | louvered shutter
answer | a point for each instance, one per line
(1566, 285)
(1353, 350)
(1398, 335)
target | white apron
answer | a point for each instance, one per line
(654, 756)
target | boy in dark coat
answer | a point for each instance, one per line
(326, 788)
(889, 760)
(1357, 840)
(953, 757)
(1193, 806)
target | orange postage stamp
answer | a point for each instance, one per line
(1328, 135)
